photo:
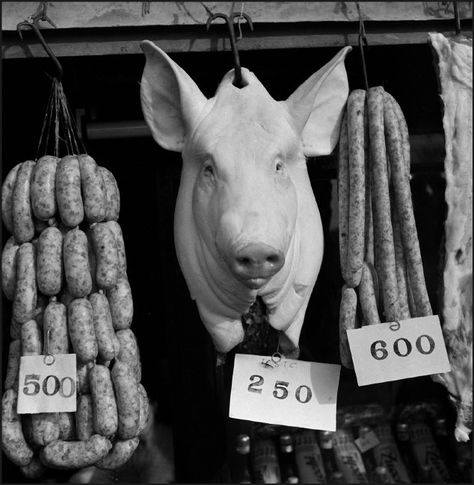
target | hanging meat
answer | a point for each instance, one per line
(455, 72)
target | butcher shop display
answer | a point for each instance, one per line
(246, 220)
(64, 270)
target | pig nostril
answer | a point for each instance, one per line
(244, 261)
(273, 258)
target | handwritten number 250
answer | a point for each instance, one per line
(280, 389)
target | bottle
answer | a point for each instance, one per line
(348, 458)
(367, 453)
(387, 455)
(426, 452)
(337, 477)
(309, 461)
(240, 461)
(327, 452)
(445, 441)
(381, 475)
(287, 459)
(405, 450)
(265, 465)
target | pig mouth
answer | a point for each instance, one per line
(254, 283)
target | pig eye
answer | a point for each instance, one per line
(279, 166)
(208, 170)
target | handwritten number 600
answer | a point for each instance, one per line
(379, 351)
(280, 390)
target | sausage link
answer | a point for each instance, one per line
(66, 455)
(67, 426)
(127, 398)
(76, 263)
(347, 321)
(31, 341)
(368, 302)
(24, 301)
(44, 428)
(9, 267)
(112, 194)
(403, 127)
(82, 372)
(383, 233)
(43, 188)
(49, 261)
(121, 304)
(81, 330)
(104, 407)
(129, 351)
(68, 191)
(369, 219)
(84, 417)
(122, 258)
(105, 250)
(93, 189)
(15, 329)
(14, 444)
(23, 227)
(34, 469)
(356, 140)
(55, 331)
(120, 453)
(404, 311)
(7, 197)
(144, 410)
(404, 208)
(13, 366)
(343, 195)
(104, 330)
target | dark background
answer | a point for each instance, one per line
(176, 352)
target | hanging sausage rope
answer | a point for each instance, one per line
(58, 119)
(362, 42)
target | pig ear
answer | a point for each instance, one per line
(316, 106)
(171, 101)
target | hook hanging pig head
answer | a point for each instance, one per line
(246, 220)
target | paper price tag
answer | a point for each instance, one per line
(398, 350)
(285, 392)
(47, 384)
(366, 442)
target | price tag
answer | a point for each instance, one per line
(47, 384)
(284, 391)
(366, 442)
(398, 350)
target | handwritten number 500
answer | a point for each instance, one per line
(280, 390)
(379, 351)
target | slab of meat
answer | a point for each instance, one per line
(455, 72)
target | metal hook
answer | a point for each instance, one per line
(230, 25)
(362, 41)
(32, 23)
(457, 21)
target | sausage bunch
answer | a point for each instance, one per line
(378, 243)
(65, 271)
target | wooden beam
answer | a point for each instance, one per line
(93, 42)
(78, 15)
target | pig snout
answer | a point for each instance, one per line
(255, 263)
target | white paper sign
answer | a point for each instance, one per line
(398, 350)
(47, 384)
(284, 392)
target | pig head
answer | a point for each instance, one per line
(246, 221)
